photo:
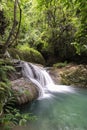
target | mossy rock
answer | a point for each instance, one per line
(15, 54)
(27, 54)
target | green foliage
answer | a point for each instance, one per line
(60, 64)
(57, 29)
(50, 26)
(80, 48)
(31, 55)
(7, 98)
(7, 8)
(54, 25)
(9, 115)
(51, 29)
(79, 8)
(14, 118)
(4, 68)
(26, 117)
(5, 89)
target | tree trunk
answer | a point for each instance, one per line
(12, 36)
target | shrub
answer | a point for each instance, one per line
(60, 64)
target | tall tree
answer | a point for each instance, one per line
(13, 34)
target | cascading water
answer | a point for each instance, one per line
(66, 110)
(43, 81)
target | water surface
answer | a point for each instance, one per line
(62, 111)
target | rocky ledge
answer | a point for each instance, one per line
(71, 74)
(25, 90)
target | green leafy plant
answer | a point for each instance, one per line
(80, 48)
(9, 115)
(4, 68)
(5, 89)
(60, 64)
(14, 117)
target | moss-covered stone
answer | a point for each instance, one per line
(27, 54)
(15, 54)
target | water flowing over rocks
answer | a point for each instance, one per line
(24, 89)
(55, 75)
(32, 81)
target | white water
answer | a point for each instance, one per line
(43, 81)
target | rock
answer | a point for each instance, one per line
(25, 90)
(14, 75)
(75, 76)
(27, 54)
(54, 75)
(72, 74)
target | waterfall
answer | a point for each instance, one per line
(43, 81)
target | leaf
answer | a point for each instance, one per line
(22, 122)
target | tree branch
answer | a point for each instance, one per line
(13, 28)
(16, 36)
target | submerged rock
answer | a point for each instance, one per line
(25, 90)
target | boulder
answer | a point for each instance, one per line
(25, 90)
(27, 54)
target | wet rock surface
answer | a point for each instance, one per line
(25, 90)
(72, 74)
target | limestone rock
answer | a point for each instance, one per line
(25, 90)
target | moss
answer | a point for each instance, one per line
(27, 54)
(15, 53)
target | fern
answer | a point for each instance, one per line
(4, 69)
(6, 96)
(8, 114)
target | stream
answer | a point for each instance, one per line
(58, 108)
(63, 111)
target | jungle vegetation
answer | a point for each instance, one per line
(46, 31)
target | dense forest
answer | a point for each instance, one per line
(53, 29)
(38, 31)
